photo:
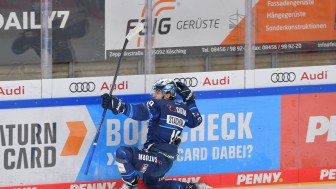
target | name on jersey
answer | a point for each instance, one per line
(145, 157)
(178, 110)
(181, 111)
(176, 121)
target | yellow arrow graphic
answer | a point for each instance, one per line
(76, 137)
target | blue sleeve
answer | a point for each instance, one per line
(193, 115)
(142, 112)
(153, 109)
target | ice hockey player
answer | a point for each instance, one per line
(167, 119)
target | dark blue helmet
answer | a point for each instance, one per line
(165, 85)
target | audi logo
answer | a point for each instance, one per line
(188, 81)
(82, 87)
(283, 77)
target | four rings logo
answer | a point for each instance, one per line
(82, 87)
(283, 77)
(189, 81)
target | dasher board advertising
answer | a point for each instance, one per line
(43, 145)
(51, 145)
(255, 140)
(218, 26)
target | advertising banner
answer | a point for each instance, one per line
(201, 81)
(58, 140)
(311, 136)
(16, 90)
(43, 145)
(139, 84)
(174, 31)
(290, 25)
(76, 31)
(96, 86)
(261, 138)
(278, 77)
(230, 134)
(219, 28)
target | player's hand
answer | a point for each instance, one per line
(112, 103)
(184, 91)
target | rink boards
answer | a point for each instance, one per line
(255, 131)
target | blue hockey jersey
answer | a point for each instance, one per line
(167, 118)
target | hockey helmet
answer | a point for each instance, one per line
(165, 85)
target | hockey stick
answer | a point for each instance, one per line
(132, 33)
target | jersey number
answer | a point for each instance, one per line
(150, 103)
(175, 134)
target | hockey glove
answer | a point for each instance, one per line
(112, 103)
(184, 91)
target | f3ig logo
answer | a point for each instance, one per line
(160, 25)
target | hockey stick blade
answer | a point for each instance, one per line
(135, 31)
